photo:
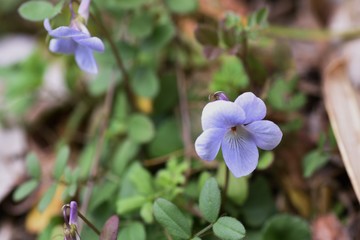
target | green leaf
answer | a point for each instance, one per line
(229, 228)
(238, 188)
(60, 162)
(210, 200)
(141, 179)
(160, 37)
(129, 204)
(167, 139)
(146, 212)
(102, 193)
(145, 82)
(124, 153)
(313, 161)
(33, 165)
(37, 10)
(230, 76)
(141, 25)
(171, 218)
(183, 6)
(285, 226)
(47, 197)
(133, 231)
(261, 16)
(260, 204)
(126, 4)
(25, 189)
(266, 159)
(141, 128)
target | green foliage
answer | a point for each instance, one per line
(47, 197)
(260, 204)
(182, 7)
(284, 97)
(133, 231)
(125, 4)
(171, 218)
(141, 128)
(167, 139)
(145, 82)
(229, 228)
(141, 25)
(238, 188)
(25, 189)
(265, 160)
(313, 161)
(210, 200)
(39, 10)
(60, 163)
(285, 226)
(231, 77)
(33, 166)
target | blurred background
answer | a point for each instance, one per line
(127, 133)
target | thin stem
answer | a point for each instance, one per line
(116, 54)
(99, 147)
(203, 230)
(226, 186)
(92, 226)
(184, 112)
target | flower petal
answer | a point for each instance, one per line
(207, 145)
(240, 153)
(85, 59)
(253, 107)
(221, 114)
(65, 32)
(266, 134)
(62, 45)
(47, 25)
(93, 43)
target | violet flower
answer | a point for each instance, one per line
(76, 39)
(239, 129)
(70, 227)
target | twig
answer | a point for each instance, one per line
(184, 112)
(116, 54)
(99, 147)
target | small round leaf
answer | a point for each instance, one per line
(210, 200)
(141, 128)
(25, 189)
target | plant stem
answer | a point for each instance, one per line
(92, 226)
(116, 54)
(99, 146)
(226, 186)
(203, 230)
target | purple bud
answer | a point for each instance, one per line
(73, 213)
(219, 95)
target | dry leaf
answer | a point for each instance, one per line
(343, 107)
(328, 227)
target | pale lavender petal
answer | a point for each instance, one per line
(47, 25)
(207, 145)
(62, 45)
(85, 59)
(84, 9)
(240, 152)
(93, 43)
(65, 32)
(253, 107)
(266, 134)
(221, 114)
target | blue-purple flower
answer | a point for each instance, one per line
(70, 226)
(76, 39)
(238, 127)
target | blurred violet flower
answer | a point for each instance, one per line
(239, 129)
(76, 39)
(70, 227)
